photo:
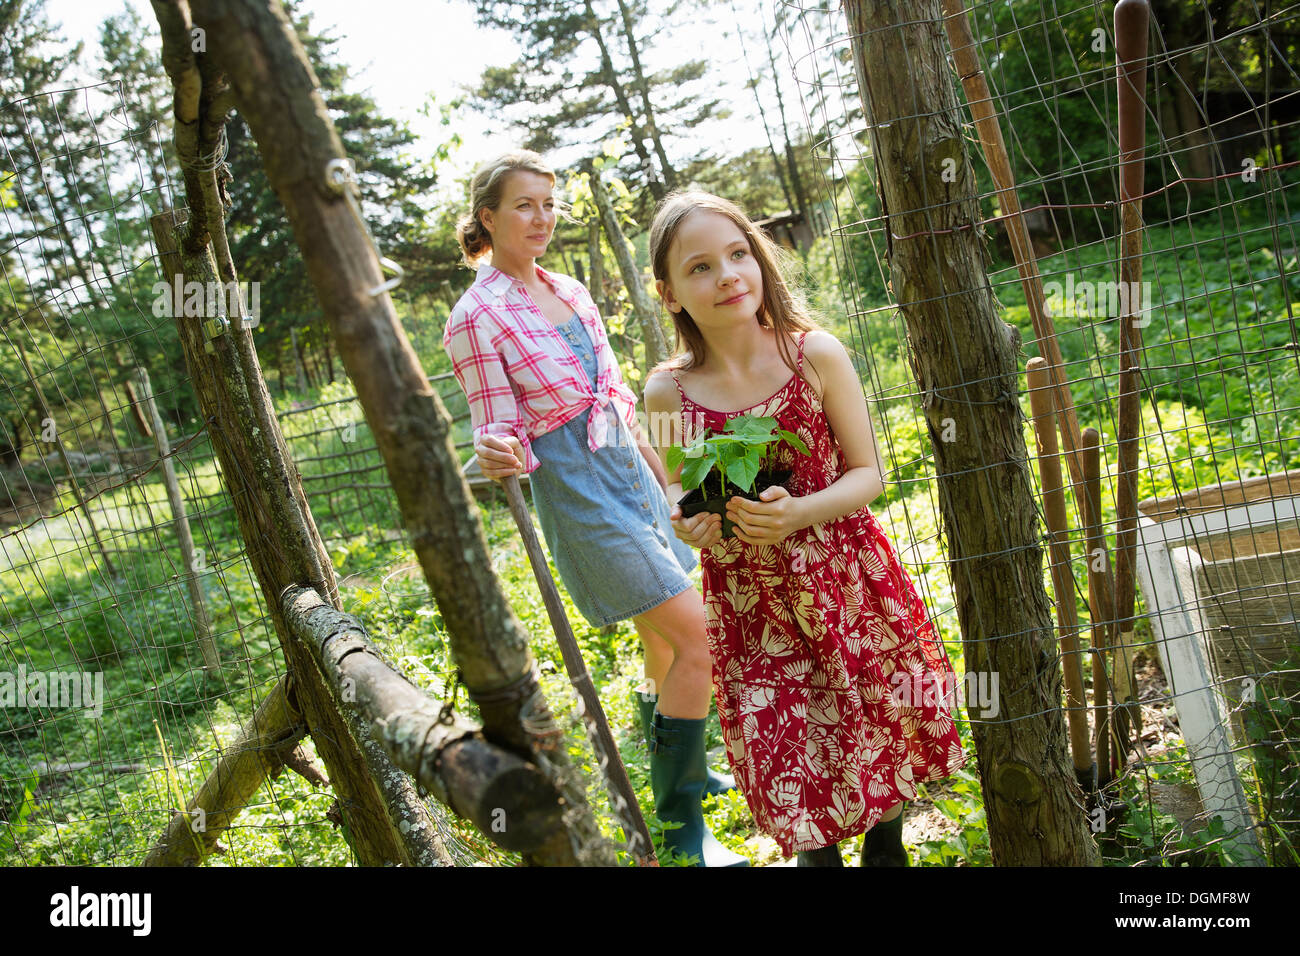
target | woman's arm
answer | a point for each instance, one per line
(664, 409)
(778, 514)
(498, 425)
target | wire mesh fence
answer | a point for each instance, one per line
(1208, 777)
(110, 717)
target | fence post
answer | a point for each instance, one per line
(272, 81)
(964, 360)
(198, 606)
(284, 549)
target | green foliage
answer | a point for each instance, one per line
(1270, 719)
(739, 453)
(969, 846)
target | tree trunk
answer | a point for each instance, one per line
(278, 95)
(792, 165)
(656, 346)
(964, 360)
(283, 546)
(47, 415)
(657, 189)
(329, 360)
(299, 365)
(670, 175)
(1184, 29)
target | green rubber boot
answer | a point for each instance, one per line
(826, 856)
(883, 844)
(716, 782)
(677, 778)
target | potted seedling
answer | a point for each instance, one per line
(742, 457)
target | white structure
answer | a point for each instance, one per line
(1206, 557)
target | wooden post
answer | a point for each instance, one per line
(1067, 620)
(277, 94)
(1101, 602)
(1132, 18)
(621, 795)
(256, 755)
(137, 413)
(656, 346)
(510, 801)
(198, 606)
(964, 360)
(980, 102)
(284, 548)
(385, 819)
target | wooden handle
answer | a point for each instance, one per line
(621, 794)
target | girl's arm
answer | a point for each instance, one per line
(778, 514)
(664, 409)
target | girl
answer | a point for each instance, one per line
(546, 398)
(810, 613)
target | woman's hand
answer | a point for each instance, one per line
(770, 520)
(498, 457)
(703, 530)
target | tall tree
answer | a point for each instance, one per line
(581, 80)
(394, 201)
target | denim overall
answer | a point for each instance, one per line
(603, 514)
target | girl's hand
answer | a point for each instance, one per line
(703, 530)
(498, 457)
(770, 520)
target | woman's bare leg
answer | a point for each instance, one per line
(658, 657)
(685, 686)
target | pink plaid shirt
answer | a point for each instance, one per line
(519, 375)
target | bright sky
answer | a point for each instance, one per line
(401, 50)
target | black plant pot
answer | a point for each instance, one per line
(694, 502)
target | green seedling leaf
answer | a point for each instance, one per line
(746, 427)
(742, 471)
(794, 441)
(675, 457)
(696, 470)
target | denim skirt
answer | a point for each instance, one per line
(603, 514)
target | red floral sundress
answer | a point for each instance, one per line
(833, 688)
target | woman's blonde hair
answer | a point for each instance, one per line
(782, 309)
(485, 191)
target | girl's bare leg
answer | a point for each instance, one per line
(685, 685)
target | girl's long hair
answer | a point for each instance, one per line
(782, 309)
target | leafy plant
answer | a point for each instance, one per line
(739, 453)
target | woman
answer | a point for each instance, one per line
(546, 398)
